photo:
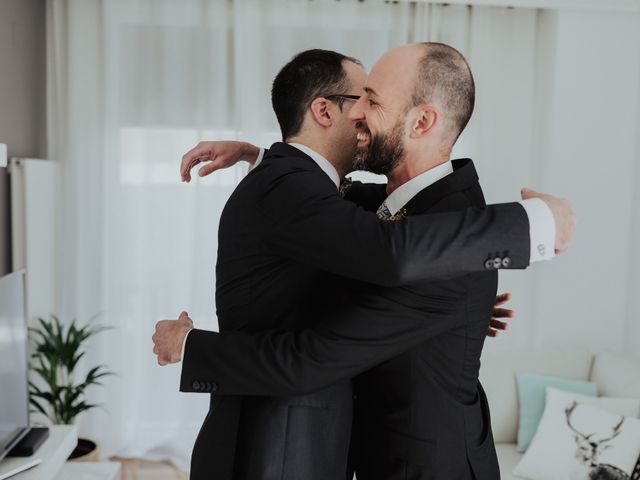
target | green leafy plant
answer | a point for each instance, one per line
(56, 354)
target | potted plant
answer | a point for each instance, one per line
(57, 351)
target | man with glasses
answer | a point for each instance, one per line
(287, 244)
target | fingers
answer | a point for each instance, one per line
(209, 168)
(503, 298)
(184, 317)
(165, 335)
(498, 325)
(503, 313)
(527, 193)
(492, 333)
(155, 338)
(495, 327)
(565, 220)
(156, 352)
(200, 152)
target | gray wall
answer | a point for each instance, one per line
(22, 96)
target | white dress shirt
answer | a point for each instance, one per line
(405, 192)
(542, 227)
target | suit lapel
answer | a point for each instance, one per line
(463, 177)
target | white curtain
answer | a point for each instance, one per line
(133, 84)
(131, 87)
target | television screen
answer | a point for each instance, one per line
(14, 396)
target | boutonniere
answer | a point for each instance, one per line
(399, 215)
(345, 186)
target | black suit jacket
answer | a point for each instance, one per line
(423, 415)
(284, 225)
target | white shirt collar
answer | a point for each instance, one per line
(322, 162)
(405, 192)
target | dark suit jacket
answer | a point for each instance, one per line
(284, 225)
(423, 415)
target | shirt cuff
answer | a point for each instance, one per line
(258, 160)
(542, 229)
(184, 344)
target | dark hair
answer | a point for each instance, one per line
(444, 75)
(309, 75)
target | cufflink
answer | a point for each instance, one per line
(541, 250)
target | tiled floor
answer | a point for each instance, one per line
(135, 469)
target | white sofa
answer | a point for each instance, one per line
(615, 375)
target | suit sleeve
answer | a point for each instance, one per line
(279, 363)
(311, 224)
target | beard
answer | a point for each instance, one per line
(384, 152)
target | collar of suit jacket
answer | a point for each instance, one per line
(464, 176)
(324, 164)
(405, 192)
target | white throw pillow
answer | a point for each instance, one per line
(579, 435)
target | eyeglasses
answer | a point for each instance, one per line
(343, 96)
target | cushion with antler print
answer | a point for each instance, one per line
(532, 394)
(583, 438)
(636, 471)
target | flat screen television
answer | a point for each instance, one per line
(14, 394)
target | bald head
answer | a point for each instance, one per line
(443, 77)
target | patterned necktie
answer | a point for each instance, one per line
(383, 212)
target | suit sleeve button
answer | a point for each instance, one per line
(214, 386)
(488, 264)
(506, 262)
(497, 262)
(196, 385)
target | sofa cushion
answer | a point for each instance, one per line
(576, 438)
(531, 397)
(616, 375)
(498, 376)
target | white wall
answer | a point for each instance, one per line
(586, 116)
(22, 95)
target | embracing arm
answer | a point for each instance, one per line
(279, 363)
(309, 223)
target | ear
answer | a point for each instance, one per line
(424, 120)
(321, 111)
